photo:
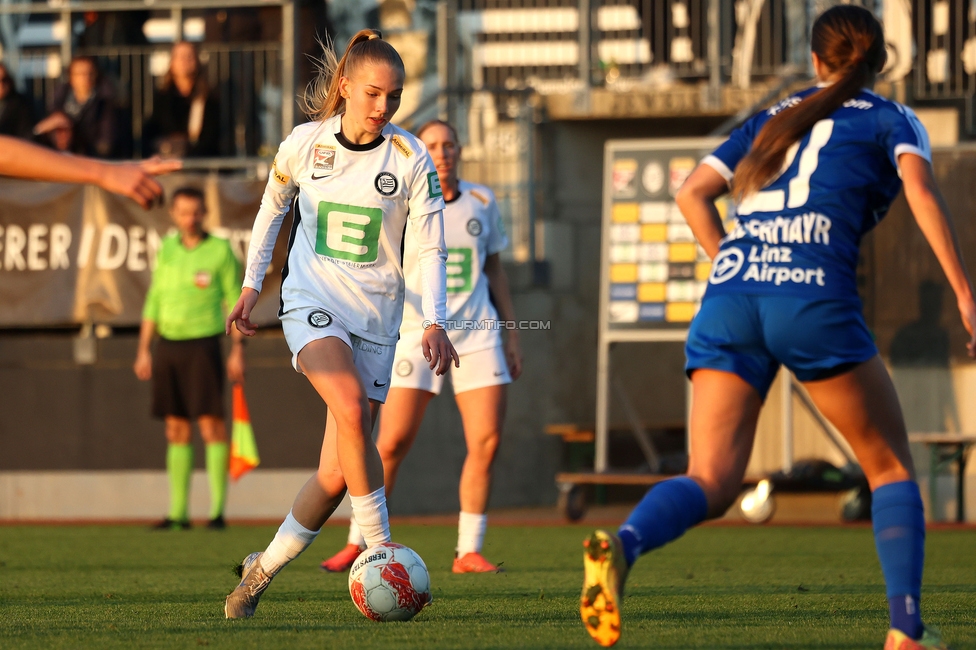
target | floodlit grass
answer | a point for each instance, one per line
(735, 587)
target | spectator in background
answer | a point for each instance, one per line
(85, 106)
(16, 115)
(185, 117)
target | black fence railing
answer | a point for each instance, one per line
(245, 80)
(945, 40)
(565, 43)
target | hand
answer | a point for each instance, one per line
(157, 166)
(135, 180)
(143, 365)
(438, 350)
(967, 310)
(240, 315)
(513, 355)
(235, 365)
(54, 121)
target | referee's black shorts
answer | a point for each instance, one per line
(188, 378)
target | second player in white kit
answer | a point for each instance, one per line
(473, 232)
(475, 237)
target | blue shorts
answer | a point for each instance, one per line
(751, 335)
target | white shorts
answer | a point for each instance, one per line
(477, 370)
(374, 361)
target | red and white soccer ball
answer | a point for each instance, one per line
(389, 582)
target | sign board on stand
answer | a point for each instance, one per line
(652, 272)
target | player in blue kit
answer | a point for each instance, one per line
(810, 177)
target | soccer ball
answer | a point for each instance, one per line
(389, 582)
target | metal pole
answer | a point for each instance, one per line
(66, 42)
(453, 56)
(602, 406)
(961, 483)
(447, 53)
(443, 76)
(714, 54)
(786, 418)
(80, 6)
(176, 15)
(288, 57)
(585, 43)
(797, 19)
(527, 136)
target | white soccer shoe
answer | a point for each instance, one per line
(242, 602)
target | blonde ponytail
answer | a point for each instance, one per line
(322, 98)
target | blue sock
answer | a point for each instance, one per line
(664, 514)
(899, 533)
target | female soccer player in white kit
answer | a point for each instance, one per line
(474, 235)
(360, 183)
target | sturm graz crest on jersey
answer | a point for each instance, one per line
(474, 227)
(386, 183)
(319, 318)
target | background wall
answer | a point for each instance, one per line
(81, 422)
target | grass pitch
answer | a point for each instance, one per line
(719, 587)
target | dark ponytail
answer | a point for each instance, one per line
(846, 39)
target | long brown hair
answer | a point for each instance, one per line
(846, 39)
(322, 99)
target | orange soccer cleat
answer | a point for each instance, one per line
(474, 563)
(342, 561)
(605, 571)
(931, 640)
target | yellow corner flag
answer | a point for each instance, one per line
(243, 449)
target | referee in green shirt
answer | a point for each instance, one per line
(197, 277)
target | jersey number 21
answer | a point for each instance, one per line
(799, 187)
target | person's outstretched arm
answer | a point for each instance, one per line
(932, 215)
(22, 159)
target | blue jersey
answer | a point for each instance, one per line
(800, 235)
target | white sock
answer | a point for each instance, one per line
(291, 540)
(471, 532)
(369, 513)
(355, 535)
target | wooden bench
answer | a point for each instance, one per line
(944, 448)
(571, 433)
(580, 441)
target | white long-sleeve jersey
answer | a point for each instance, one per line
(346, 245)
(473, 230)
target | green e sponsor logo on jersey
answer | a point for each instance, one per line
(459, 270)
(348, 232)
(434, 185)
